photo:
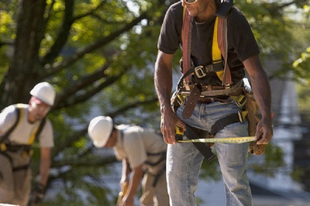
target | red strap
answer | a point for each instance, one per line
(186, 42)
(222, 42)
(223, 45)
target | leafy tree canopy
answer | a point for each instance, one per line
(99, 55)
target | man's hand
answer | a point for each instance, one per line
(121, 194)
(264, 131)
(37, 194)
(126, 201)
(169, 122)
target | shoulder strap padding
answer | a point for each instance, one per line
(223, 45)
(37, 131)
(19, 114)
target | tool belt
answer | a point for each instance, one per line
(162, 158)
(6, 149)
(20, 148)
(243, 98)
(208, 100)
(189, 95)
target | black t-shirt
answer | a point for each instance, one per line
(241, 41)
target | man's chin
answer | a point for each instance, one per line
(39, 118)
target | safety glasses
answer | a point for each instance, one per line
(189, 1)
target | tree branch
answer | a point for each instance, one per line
(101, 42)
(63, 35)
(65, 100)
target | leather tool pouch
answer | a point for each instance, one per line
(252, 117)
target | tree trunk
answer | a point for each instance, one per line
(22, 75)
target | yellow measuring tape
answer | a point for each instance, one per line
(234, 140)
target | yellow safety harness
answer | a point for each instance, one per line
(4, 143)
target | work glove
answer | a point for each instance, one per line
(37, 194)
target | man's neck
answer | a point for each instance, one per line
(209, 13)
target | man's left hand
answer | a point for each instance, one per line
(37, 194)
(264, 131)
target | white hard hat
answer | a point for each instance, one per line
(100, 129)
(44, 92)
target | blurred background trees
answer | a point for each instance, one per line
(99, 55)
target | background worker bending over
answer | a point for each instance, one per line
(141, 150)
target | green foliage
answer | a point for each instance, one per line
(298, 172)
(302, 65)
(99, 55)
(272, 164)
(210, 170)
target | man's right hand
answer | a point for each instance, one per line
(169, 121)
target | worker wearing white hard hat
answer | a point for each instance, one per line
(143, 154)
(20, 126)
(100, 129)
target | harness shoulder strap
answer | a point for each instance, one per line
(37, 131)
(223, 45)
(19, 114)
(219, 47)
(186, 41)
(223, 13)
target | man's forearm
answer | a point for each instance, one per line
(163, 84)
(45, 164)
(262, 94)
(44, 171)
(260, 85)
(135, 180)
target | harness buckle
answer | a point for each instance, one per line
(200, 72)
(241, 101)
(177, 100)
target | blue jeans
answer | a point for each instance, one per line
(184, 160)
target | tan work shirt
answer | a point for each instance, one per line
(136, 144)
(24, 131)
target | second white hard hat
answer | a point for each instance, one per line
(44, 92)
(100, 129)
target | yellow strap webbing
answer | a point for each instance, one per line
(216, 53)
(21, 113)
(33, 134)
